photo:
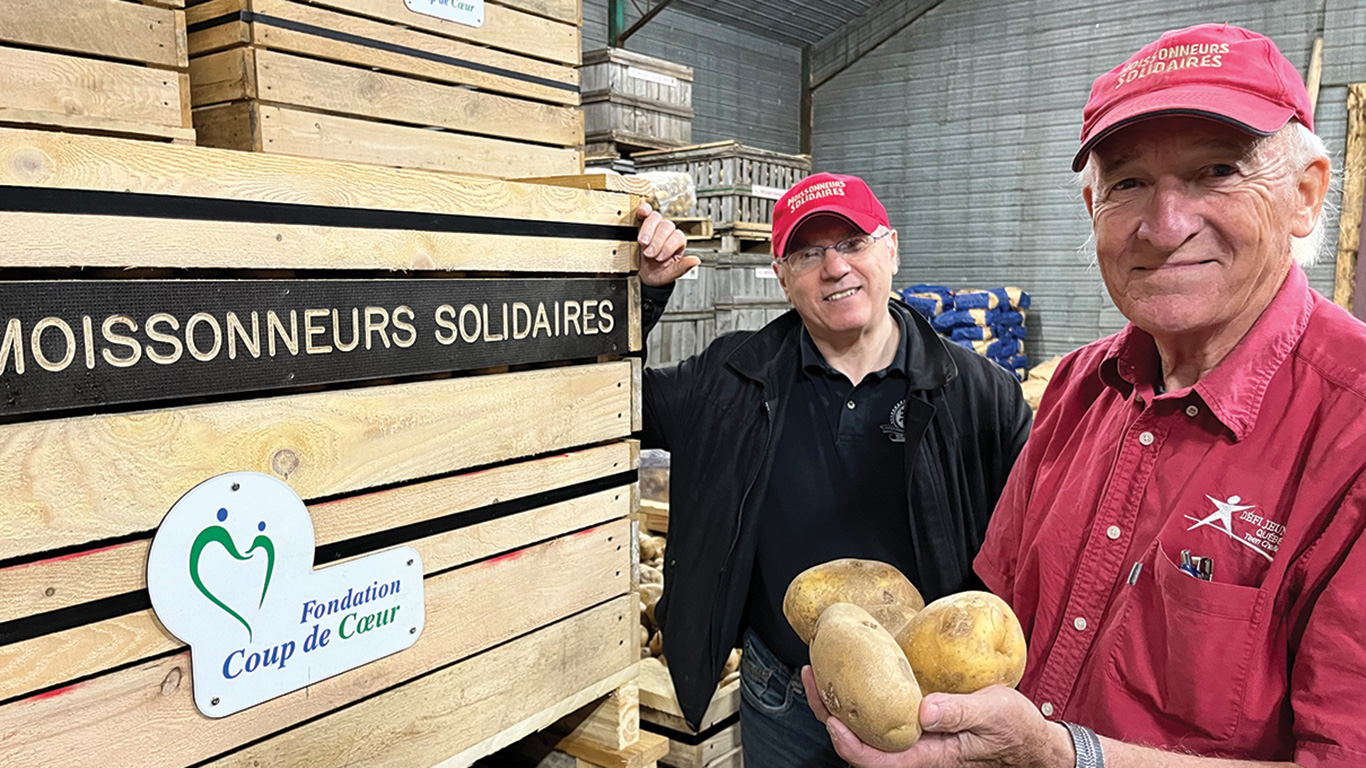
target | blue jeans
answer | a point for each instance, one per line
(777, 727)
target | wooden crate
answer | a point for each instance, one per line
(111, 67)
(714, 744)
(371, 81)
(748, 317)
(635, 101)
(744, 279)
(514, 480)
(680, 335)
(735, 183)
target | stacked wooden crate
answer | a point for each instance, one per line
(633, 102)
(110, 67)
(373, 81)
(504, 458)
(714, 744)
(736, 184)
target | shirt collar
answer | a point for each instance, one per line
(1234, 390)
(812, 361)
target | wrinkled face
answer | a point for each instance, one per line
(844, 294)
(1193, 228)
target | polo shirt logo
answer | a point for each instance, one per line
(1264, 536)
(895, 428)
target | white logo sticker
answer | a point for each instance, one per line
(467, 12)
(653, 77)
(231, 573)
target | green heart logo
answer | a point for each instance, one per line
(218, 534)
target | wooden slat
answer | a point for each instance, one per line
(637, 395)
(568, 11)
(108, 571)
(144, 715)
(659, 705)
(505, 28)
(63, 240)
(637, 339)
(1353, 188)
(51, 660)
(293, 80)
(646, 750)
(71, 481)
(440, 715)
(53, 82)
(606, 182)
(280, 38)
(287, 131)
(219, 37)
(27, 118)
(37, 158)
(224, 76)
(613, 722)
(109, 28)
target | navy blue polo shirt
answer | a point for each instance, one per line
(837, 487)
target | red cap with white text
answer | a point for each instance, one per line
(846, 196)
(1217, 71)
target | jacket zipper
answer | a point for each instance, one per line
(740, 513)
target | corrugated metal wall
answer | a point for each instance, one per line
(744, 87)
(966, 121)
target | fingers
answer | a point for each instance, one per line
(813, 697)
(954, 713)
(655, 273)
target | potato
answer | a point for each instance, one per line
(656, 644)
(732, 663)
(876, 587)
(864, 680)
(649, 548)
(963, 643)
(645, 638)
(650, 575)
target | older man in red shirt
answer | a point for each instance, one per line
(1223, 425)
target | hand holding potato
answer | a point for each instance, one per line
(662, 245)
(995, 726)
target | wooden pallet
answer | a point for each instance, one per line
(371, 81)
(515, 487)
(636, 95)
(717, 739)
(112, 67)
(735, 183)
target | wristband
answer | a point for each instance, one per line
(1087, 744)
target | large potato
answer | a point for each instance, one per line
(863, 678)
(877, 587)
(963, 643)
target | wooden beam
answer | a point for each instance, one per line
(39, 81)
(1353, 189)
(103, 126)
(642, 753)
(1315, 75)
(613, 723)
(861, 34)
(52, 160)
(505, 28)
(144, 715)
(74, 240)
(446, 713)
(605, 182)
(106, 28)
(61, 492)
(300, 133)
(52, 660)
(82, 577)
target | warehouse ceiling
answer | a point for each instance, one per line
(797, 22)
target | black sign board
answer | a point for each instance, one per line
(68, 344)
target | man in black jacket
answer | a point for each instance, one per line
(846, 428)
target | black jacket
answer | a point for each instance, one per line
(717, 413)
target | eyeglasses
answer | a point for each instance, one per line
(807, 259)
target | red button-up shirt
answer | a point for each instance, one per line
(1259, 466)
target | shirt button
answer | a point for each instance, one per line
(1047, 709)
(1146, 438)
(1113, 532)
(1192, 411)
(1080, 624)
(849, 405)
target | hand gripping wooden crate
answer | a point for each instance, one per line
(632, 101)
(111, 67)
(735, 183)
(372, 81)
(503, 456)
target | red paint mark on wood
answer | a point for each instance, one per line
(74, 555)
(55, 693)
(505, 558)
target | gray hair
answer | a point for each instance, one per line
(1299, 147)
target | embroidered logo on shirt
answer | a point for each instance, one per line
(1264, 538)
(895, 428)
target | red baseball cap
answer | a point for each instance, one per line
(845, 196)
(1217, 71)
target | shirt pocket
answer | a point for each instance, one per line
(1183, 646)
